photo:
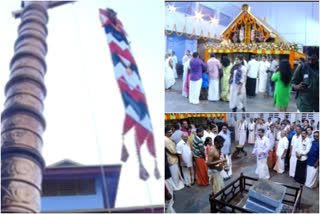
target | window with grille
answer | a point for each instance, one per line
(308, 116)
(66, 187)
(274, 115)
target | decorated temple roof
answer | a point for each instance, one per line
(245, 19)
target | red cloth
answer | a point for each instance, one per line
(202, 171)
(271, 159)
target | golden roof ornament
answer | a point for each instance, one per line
(245, 7)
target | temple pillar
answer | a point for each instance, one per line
(22, 121)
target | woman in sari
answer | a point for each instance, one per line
(226, 67)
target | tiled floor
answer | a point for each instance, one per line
(196, 198)
(175, 102)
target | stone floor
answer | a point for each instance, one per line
(175, 102)
(196, 198)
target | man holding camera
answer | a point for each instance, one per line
(305, 81)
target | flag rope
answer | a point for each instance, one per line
(93, 118)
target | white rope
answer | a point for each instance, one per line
(93, 118)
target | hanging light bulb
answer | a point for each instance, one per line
(172, 8)
(198, 16)
(214, 20)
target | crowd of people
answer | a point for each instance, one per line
(202, 153)
(234, 81)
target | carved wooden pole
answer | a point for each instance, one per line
(22, 120)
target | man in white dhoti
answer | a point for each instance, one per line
(185, 155)
(196, 66)
(226, 151)
(251, 128)
(186, 67)
(263, 75)
(169, 188)
(213, 69)
(235, 124)
(313, 163)
(260, 150)
(216, 163)
(238, 76)
(169, 76)
(174, 63)
(170, 148)
(242, 131)
(281, 153)
(296, 140)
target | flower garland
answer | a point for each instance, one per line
(254, 46)
(193, 34)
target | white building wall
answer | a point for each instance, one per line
(292, 116)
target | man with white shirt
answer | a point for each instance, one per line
(185, 154)
(273, 68)
(281, 152)
(251, 128)
(312, 123)
(253, 69)
(205, 133)
(263, 75)
(186, 57)
(174, 64)
(260, 125)
(176, 136)
(226, 150)
(296, 140)
(272, 154)
(185, 80)
(269, 123)
(313, 163)
(235, 124)
(310, 133)
(302, 156)
(260, 150)
(243, 131)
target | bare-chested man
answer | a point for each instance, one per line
(216, 163)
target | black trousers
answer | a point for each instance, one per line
(251, 86)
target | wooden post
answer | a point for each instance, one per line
(22, 121)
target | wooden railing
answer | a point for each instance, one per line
(220, 202)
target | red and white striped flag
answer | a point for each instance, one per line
(128, 78)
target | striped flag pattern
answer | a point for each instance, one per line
(133, 95)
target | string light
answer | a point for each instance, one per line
(199, 16)
(214, 20)
(172, 8)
